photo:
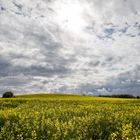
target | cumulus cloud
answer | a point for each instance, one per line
(73, 46)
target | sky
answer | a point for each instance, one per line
(70, 46)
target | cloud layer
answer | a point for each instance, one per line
(73, 46)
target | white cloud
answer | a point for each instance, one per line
(74, 46)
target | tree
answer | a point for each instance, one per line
(138, 97)
(8, 94)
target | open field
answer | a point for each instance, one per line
(69, 117)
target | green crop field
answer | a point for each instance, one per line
(69, 117)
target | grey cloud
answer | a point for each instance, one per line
(110, 30)
(2, 8)
(125, 83)
(4, 67)
(41, 40)
(19, 6)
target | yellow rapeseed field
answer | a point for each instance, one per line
(69, 117)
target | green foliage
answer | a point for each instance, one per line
(67, 117)
(118, 96)
(8, 94)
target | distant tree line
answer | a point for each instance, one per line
(120, 96)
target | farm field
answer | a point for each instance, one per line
(69, 117)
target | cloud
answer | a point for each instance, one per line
(72, 46)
